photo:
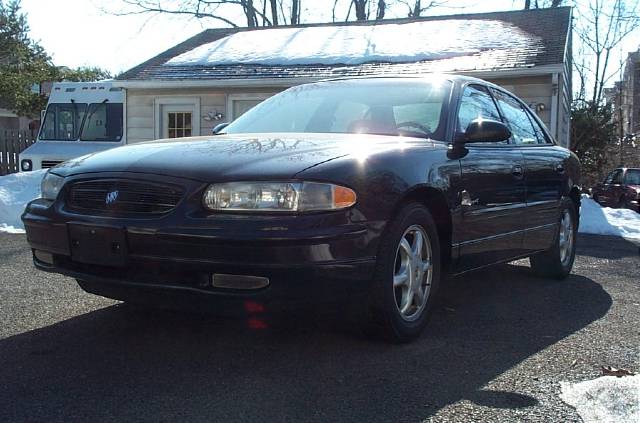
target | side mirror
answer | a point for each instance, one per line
(486, 130)
(219, 127)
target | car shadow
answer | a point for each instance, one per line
(122, 364)
(616, 247)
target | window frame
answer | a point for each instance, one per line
(550, 141)
(609, 178)
(182, 128)
(619, 173)
(524, 108)
(88, 115)
(243, 96)
(55, 122)
(454, 117)
(158, 106)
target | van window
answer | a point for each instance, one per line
(103, 122)
(62, 121)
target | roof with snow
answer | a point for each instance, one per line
(463, 43)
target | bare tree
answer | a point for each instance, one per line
(417, 7)
(295, 12)
(362, 9)
(538, 4)
(601, 26)
(280, 12)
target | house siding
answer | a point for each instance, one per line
(141, 118)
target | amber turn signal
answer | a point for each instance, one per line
(343, 197)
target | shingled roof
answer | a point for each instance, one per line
(542, 36)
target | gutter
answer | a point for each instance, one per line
(288, 82)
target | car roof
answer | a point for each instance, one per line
(448, 76)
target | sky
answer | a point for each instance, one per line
(80, 33)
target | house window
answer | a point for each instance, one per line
(239, 104)
(179, 124)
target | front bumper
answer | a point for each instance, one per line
(320, 256)
(634, 205)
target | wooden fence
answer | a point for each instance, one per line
(11, 144)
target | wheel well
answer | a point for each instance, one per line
(435, 201)
(574, 194)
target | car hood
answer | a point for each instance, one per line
(234, 157)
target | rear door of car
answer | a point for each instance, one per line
(544, 171)
(492, 189)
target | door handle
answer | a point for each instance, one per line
(560, 168)
(517, 171)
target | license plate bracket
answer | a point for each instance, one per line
(102, 245)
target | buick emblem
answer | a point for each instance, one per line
(111, 197)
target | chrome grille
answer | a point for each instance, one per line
(115, 197)
(46, 164)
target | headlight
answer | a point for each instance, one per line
(277, 196)
(50, 186)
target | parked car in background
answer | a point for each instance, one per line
(366, 190)
(620, 188)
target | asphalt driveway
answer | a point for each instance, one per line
(499, 343)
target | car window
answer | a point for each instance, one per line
(632, 177)
(476, 102)
(384, 106)
(543, 137)
(522, 130)
(617, 178)
(424, 114)
(609, 178)
(345, 113)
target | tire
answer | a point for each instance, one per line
(400, 314)
(557, 261)
(622, 203)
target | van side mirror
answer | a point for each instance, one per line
(486, 130)
(219, 127)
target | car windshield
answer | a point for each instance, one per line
(385, 106)
(103, 122)
(62, 121)
(632, 177)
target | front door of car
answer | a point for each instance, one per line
(492, 190)
(604, 192)
(545, 174)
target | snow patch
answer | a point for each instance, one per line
(357, 44)
(606, 399)
(595, 219)
(16, 190)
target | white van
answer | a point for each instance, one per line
(81, 118)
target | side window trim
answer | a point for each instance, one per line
(525, 110)
(533, 118)
(458, 105)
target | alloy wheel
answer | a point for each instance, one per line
(413, 272)
(566, 237)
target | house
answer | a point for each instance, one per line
(630, 87)
(220, 73)
(9, 121)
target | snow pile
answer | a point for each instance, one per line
(356, 44)
(16, 191)
(606, 399)
(595, 219)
